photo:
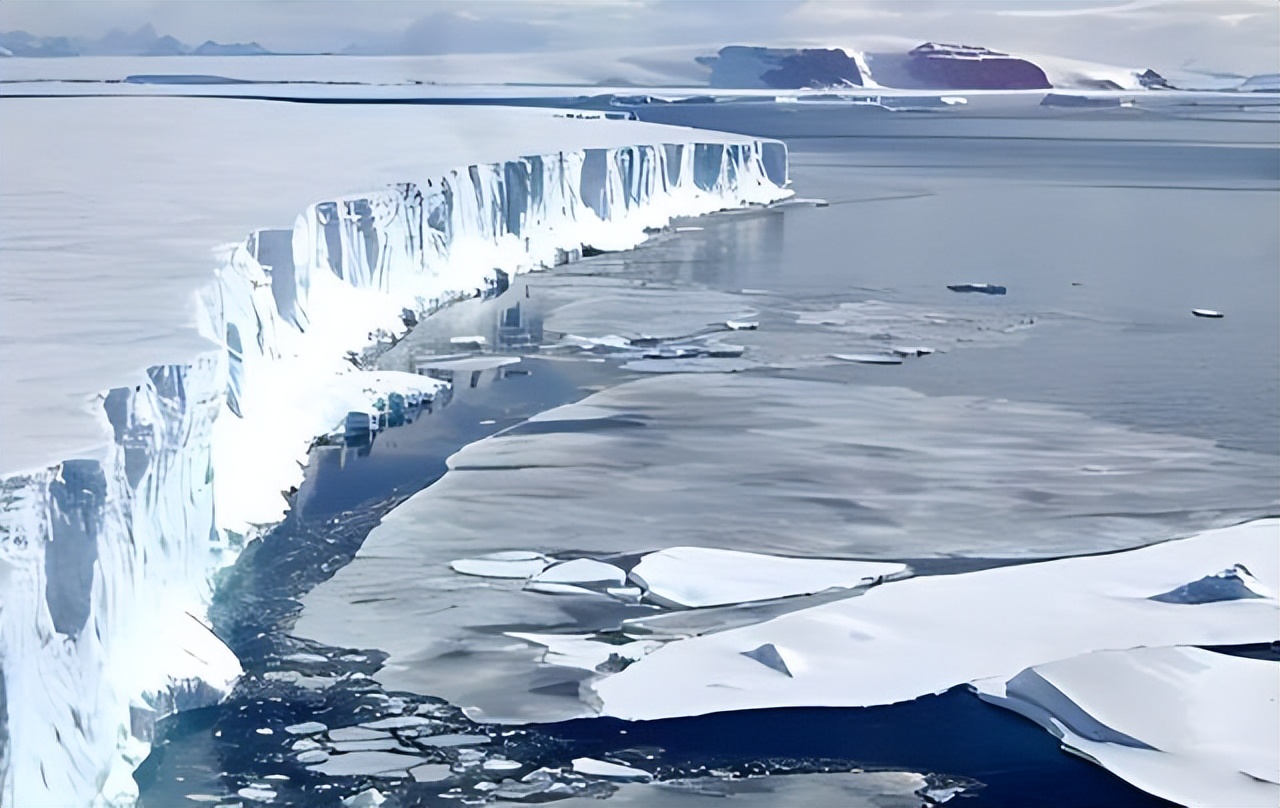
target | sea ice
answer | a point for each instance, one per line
(609, 771)
(1200, 726)
(505, 564)
(369, 763)
(865, 651)
(585, 571)
(694, 577)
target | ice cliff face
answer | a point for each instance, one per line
(107, 563)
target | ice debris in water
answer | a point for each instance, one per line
(356, 734)
(696, 577)
(582, 571)
(258, 793)
(431, 772)
(369, 763)
(369, 798)
(869, 359)
(1209, 313)
(455, 739)
(507, 564)
(1235, 583)
(741, 325)
(609, 771)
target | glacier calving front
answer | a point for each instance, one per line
(106, 562)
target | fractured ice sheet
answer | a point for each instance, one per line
(1201, 726)
(866, 651)
(844, 789)
(703, 576)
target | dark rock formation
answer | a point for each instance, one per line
(965, 67)
(742, 67)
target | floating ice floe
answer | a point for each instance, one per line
(367, 763)
(696, 577)
(911, 350)
(866, 651)
(609, 771)
(506, 564)
(431, 772)
(1191, 726)
(356, 734)
(369, 798)
(1208, 313)
(258, 793)
(582, 571)
(741, 325)
(869, 359)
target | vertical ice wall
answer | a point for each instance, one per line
(106, 562)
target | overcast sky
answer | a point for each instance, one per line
(1240, 35)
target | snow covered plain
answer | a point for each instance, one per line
(110, 236)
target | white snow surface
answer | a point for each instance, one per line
(228, 360)
(695, 577)
(117, 210)
(1208, 718)
(868, 650)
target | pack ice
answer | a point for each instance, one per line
(214, 369)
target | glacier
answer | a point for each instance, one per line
(119, 509)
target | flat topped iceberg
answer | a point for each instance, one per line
(696, 577)
(867, 650)
(1192, 726)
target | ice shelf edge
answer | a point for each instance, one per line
(107, 563)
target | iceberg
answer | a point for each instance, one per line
(866, 651)
(228, 379)
(1191, 726)
(697, 577)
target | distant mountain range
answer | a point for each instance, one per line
(142, 42)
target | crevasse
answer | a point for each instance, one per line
(106, 564)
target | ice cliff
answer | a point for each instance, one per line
(108, 563)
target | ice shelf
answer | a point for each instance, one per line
(215, 369)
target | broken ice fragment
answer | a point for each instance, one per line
(585, 571)
(356, 734)
(1209, 313)
(455, 739)
(371, 763)
(508, 564)
(1231, 584)
(869, 359)
(609, 771)
(369, 798)
(769, 656)
(431, 772)
(257, 793)
(741, 325)
(696, 577)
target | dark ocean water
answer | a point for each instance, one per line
(1106, 232)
